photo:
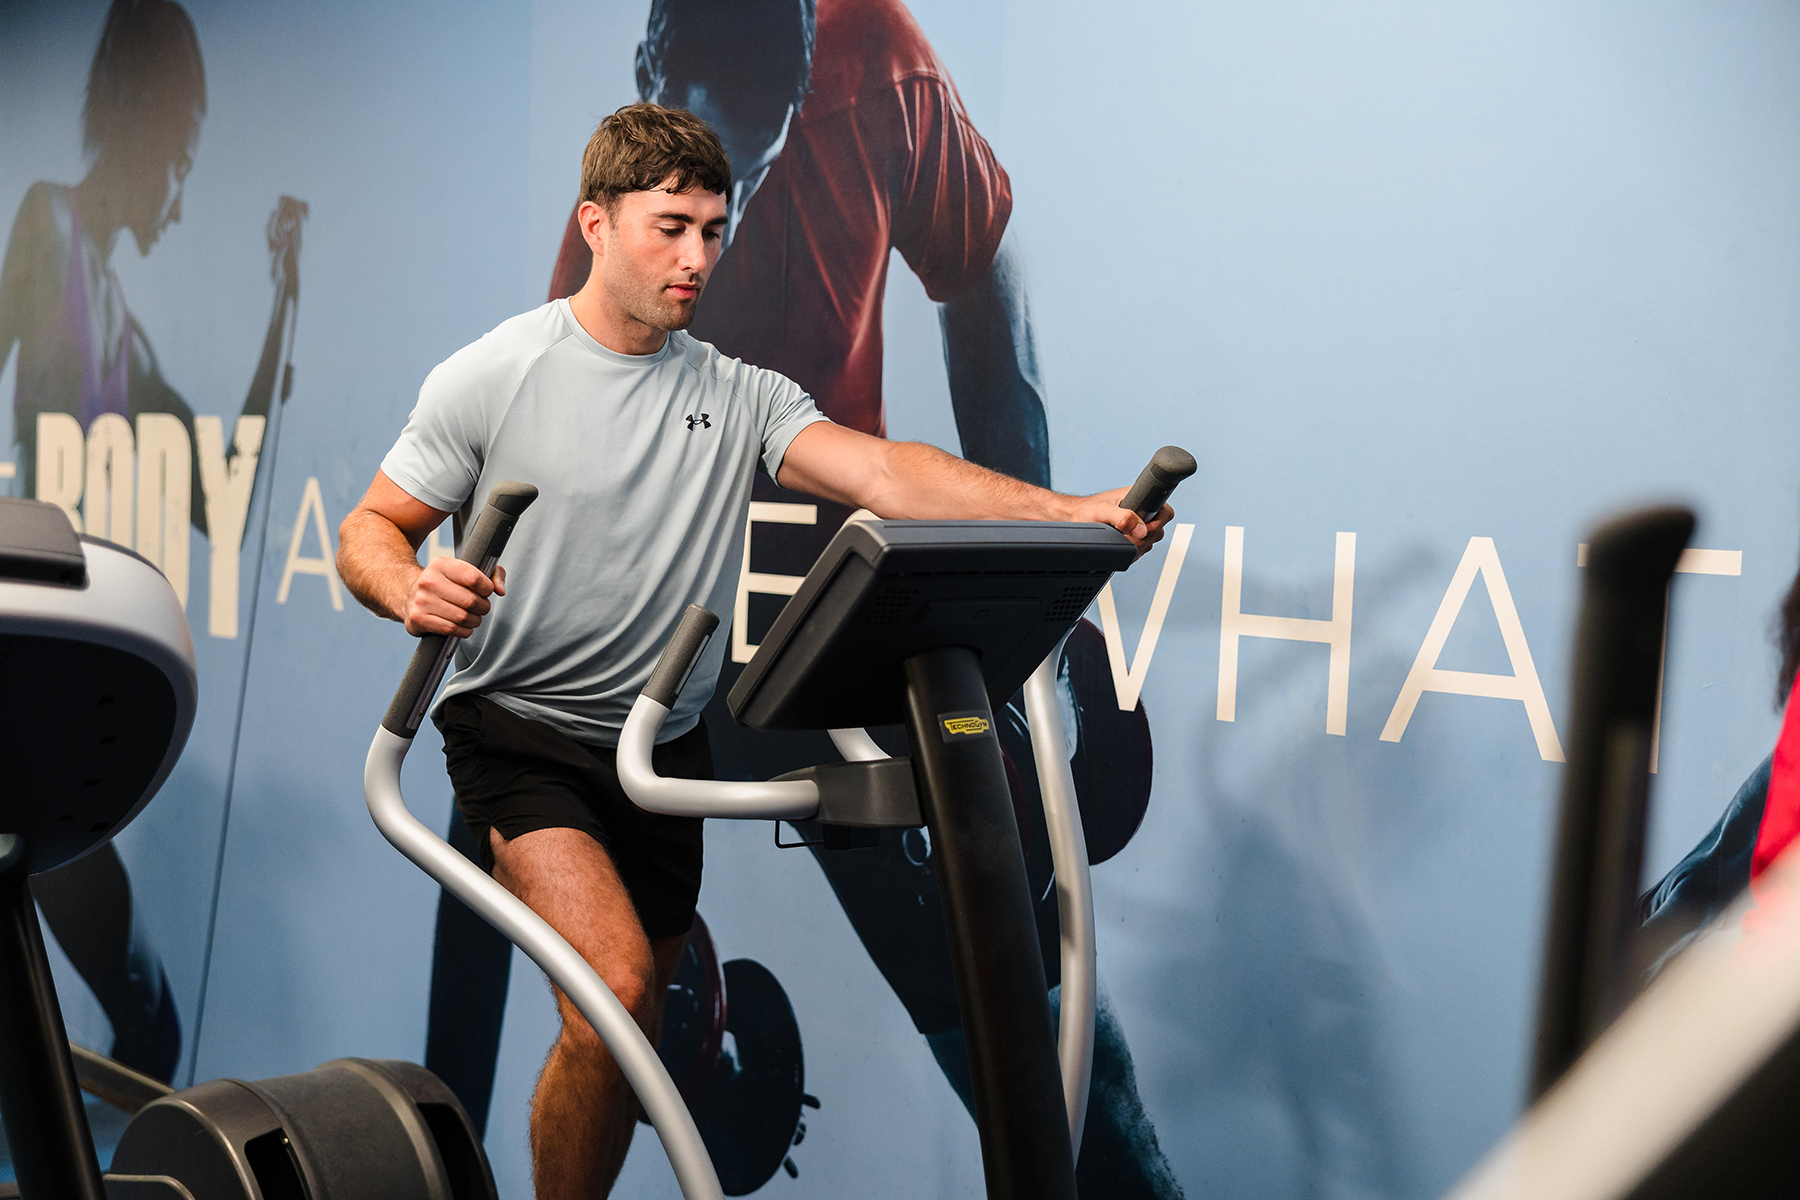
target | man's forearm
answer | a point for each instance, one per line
(921, 482)
(376, 563)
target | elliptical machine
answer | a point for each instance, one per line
(921, 621)
(102, 698)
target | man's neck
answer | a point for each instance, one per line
(611, 325)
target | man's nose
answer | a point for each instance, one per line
(693, 252)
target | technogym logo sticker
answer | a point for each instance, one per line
(962, 726)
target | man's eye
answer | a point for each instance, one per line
(713, 235)
(671, 230)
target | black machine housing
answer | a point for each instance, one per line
(881, 588)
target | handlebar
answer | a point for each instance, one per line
(680, 655)
(506, 503)
(1167, 467)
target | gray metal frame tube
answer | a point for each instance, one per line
(532, 934)
(738, 799)
(1074, 891)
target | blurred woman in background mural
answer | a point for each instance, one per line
(87, 381)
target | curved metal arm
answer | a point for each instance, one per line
(1074, 893)
(532, 934)
(791, 800)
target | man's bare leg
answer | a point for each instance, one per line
(583, 1113)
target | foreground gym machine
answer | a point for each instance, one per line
(100, 699)
(921, 621)
(1690, 1088)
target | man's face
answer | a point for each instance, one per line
(655, 251)
(752, 136)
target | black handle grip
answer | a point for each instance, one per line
(678, 657)
(1167, 467)
(505, 504)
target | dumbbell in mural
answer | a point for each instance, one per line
(748, 1098)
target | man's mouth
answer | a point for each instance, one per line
(684, 291)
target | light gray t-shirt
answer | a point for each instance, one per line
(643, 465)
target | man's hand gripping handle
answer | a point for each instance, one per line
(481, 548)
(1167, 467)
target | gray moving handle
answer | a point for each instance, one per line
(1167, 467)
(500, 908)
(506, 503)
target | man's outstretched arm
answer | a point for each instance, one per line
(911, 480)
(378, 544)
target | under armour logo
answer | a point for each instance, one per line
(700, 421)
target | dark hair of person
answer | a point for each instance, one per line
(146, 70)
(736, 49)
(1788, 634)
(641, 146)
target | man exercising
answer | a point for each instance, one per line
(643, 443)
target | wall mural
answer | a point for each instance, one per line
(100, 431)
(1314, 735)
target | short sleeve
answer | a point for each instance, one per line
(439, 455)
(950, 198)
(787, 409)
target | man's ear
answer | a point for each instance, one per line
(593, 220)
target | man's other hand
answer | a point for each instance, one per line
(451, 596)
(1104, 508)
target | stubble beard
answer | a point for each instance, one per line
(659, 312)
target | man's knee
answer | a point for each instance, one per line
(634, 986)
(636, 989)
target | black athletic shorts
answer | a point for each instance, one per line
(518, 775)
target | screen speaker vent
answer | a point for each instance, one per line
(891, 607)
(1073, 603)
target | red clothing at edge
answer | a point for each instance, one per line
(881, 155)
(1781, 810)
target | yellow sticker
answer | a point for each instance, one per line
(967, 726)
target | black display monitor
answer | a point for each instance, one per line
(885, 590)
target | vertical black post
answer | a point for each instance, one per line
(1000, 984)
(52, 1148)
(1590, 965)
